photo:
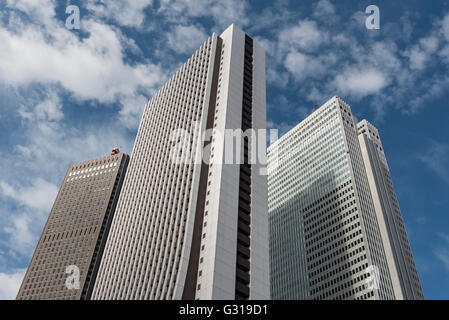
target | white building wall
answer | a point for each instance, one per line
(148, 253)
(406, 283)
(323, 230)
(260, 264)
(151, 232)
(219, 259)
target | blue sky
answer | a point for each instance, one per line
(71, 95)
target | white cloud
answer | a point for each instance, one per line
(124, 12)
(271, 18)
(358, 19)
(10, 284)
(39, 195)
(21, 236)
(186, 39)
(304, 66)
(277, 77)
(444, 53)
(360, 83)
(223, 13)
(324, 9)
(442, 252)
(436, 157)
(382, 55)
(132, 110)
(274, 74)
(445, 27)
(341, 66)
(316, 95)
(268, 45)
(297, 63)
(228, 12)
(91, 68)
(38, 11)
(443, 256)
(305, 36)
(430, 90)
(325, 61)
(420, 54)
(49, 109)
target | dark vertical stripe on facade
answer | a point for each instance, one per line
(192, 269)
(104, 231)
(242, 281)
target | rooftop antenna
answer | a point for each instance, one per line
(115, 151)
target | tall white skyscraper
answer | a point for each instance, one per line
(195, 230)
(406, 283)
(327, 237)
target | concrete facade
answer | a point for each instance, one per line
(76, 230)
(404, 275)
(181, 230)
(325, 238)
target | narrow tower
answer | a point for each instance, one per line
(406, 283)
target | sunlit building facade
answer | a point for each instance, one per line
(326, 238)
(195, 230)
(404, 275)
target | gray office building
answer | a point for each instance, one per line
(336, 231)
(66, 260)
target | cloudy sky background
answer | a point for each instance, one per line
(72, 95)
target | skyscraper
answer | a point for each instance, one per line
(195, 229)
(406, 283)
(74, 236)
(327, 239)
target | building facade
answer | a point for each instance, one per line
(195, 229)
(326, 240)
(74, 236)
(406, 283)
